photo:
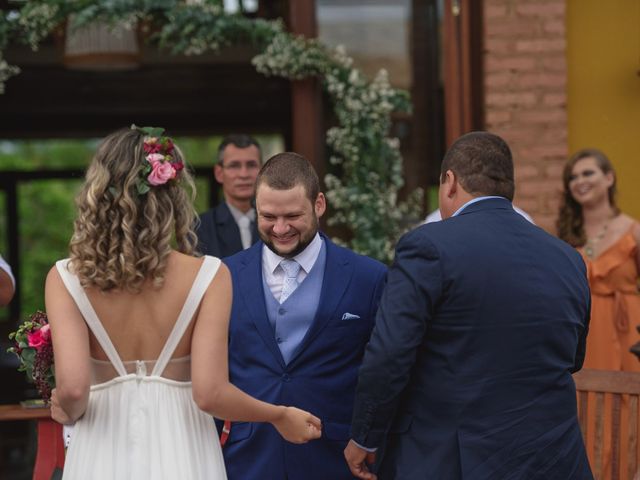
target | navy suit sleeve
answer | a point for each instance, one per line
(414, 286)
(377, 292)
(582, 341)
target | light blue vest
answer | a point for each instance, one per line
(291, 319)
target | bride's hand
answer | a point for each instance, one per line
(57, 413)
(298, 426)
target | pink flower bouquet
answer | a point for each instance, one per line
(32, 344)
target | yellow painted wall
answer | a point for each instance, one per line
(603, 57)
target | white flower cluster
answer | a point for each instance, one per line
(292, 57)
(37, 21)
(365, 196)
(6, 71)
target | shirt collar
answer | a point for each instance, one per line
(307, 258)
(475, 200)
(237, 214)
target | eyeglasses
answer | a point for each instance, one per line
(237, 166)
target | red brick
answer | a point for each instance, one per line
(497, 2)
(554, 170)
(531, 135)
(499, 45)
(541, 80)
(551, 202)
(554, 26)
(541, 9)
(495, 11)
(554, 62)
(554, 99)
(500, 79)
(539, 187)
(525, 96)
(511, 99)
(516, 63)
(495, 117)
(541, 45)
(556, 116)
(526, 171)
(530, 188)
(545, 151)
(512, 28)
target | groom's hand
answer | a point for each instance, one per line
(357, 459)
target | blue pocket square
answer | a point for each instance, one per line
(350, 316)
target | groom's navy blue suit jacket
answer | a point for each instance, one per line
(468, 371)
(320, 377)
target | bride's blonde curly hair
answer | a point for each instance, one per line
(122, 239)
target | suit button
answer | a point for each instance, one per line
(279, 340)
(286, 377)
(282, 311)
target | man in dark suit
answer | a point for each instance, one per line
(303, 309)
(230, 226)
(483, 321)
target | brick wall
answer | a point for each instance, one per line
(525, 96)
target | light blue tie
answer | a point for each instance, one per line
(291, 269)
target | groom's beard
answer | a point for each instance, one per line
(305, 240)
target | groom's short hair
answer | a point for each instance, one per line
(483, 164)
(287, 170)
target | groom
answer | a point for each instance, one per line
(483, 321)
(303, 309)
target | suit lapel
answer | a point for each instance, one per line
(228, 230)
(252, 293)
(338, 272)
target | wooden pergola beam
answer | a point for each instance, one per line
(306, 97)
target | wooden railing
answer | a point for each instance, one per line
(597, 385)
(50, 453)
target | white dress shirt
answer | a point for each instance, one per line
(244, 221)
(274, 274)
(436, 217)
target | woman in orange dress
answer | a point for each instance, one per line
(608, 241)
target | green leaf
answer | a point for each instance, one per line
(28, 355)
(143, 188)
(149, 131)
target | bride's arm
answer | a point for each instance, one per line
(212, 391)
(70, 337)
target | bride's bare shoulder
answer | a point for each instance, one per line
(186, 263)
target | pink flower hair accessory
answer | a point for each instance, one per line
(162, 165)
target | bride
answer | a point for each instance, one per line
(139, 326)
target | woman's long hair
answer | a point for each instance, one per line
(122, 238)
(570, 223)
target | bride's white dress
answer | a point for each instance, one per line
(139, 425)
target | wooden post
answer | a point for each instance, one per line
(50, 449)
(50, 453)
(306, 99)
(462, 64)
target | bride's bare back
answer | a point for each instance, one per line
(140, 323)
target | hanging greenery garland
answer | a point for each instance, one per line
(364, 197)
